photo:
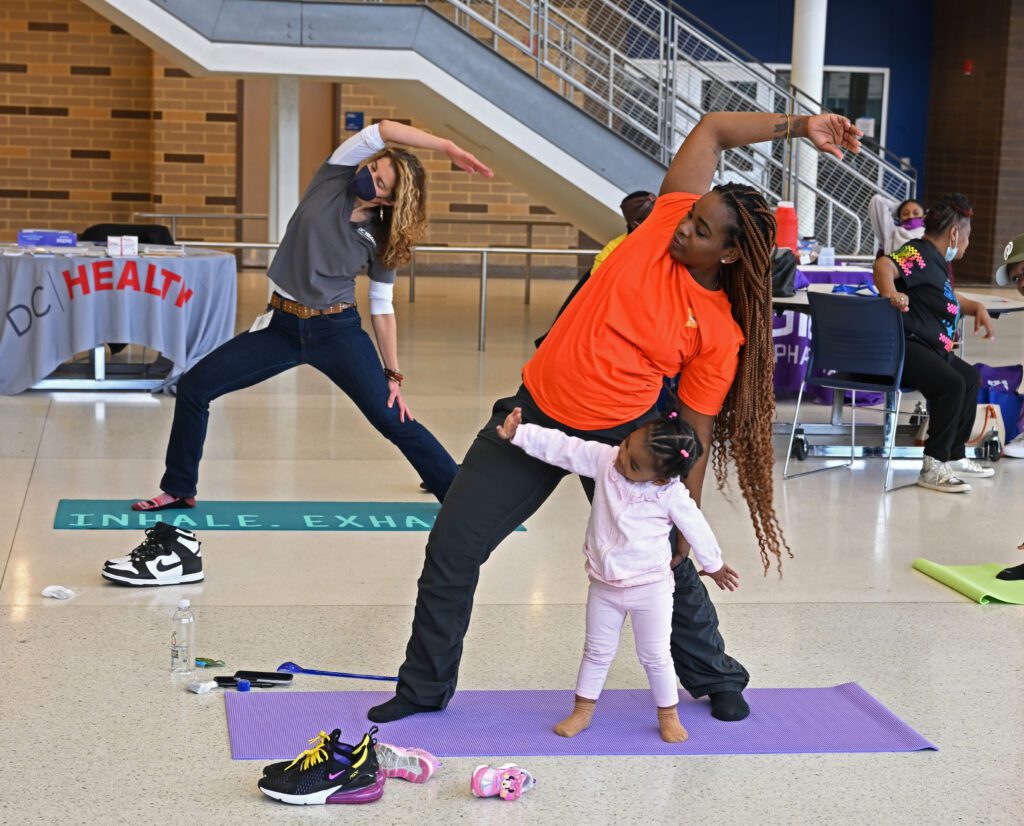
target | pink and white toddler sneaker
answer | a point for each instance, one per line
(507, 782)
(414, 765)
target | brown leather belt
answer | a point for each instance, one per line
(279, 302)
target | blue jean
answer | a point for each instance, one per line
(338, 347)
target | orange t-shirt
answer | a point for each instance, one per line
(640, 318)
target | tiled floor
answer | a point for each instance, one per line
(93, 731)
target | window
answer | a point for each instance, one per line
(857, 93)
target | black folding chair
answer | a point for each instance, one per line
(857, 344)
(146, 233)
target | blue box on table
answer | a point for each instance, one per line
(46, 238)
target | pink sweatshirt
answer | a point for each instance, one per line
(627, 540)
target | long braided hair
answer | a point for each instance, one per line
(743, 429)
(674, 444)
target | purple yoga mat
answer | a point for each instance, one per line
(276, 724)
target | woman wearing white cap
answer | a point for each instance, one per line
(1012, 269)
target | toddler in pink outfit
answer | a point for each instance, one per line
(638, 498)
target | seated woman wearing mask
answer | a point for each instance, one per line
(915, 278)
(895, 223)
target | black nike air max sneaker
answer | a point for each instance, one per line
(329, 772)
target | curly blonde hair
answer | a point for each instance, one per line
(405, 222)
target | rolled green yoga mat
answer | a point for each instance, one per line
(977, 582)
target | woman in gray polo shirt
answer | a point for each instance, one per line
(362, 212)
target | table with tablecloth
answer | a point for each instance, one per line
(55, 306)
(791, 331)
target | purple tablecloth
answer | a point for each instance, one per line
(791, 331)
(837, 275)
(791, 334)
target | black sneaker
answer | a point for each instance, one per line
(167, 556)
(332, 742)
(329, 772)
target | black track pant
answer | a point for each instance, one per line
(498, 486)
(950, 386)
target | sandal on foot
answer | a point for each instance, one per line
(165, 502)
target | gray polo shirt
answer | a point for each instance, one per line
(322, 251)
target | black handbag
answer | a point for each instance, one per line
(783, 273)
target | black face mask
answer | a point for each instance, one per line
(362, 185)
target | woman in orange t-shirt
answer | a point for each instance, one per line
(688, 292)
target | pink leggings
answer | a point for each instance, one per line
(650, 607)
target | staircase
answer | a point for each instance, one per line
(578, 101)
(648, 72)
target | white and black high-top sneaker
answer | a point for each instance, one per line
(167, 556)
(159, 531)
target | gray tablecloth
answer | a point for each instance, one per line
(54, 307)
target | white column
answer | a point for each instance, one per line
(808, 75)
(284, 155)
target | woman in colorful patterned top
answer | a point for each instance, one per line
(915, 278)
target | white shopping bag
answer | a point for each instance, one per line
(987, 418)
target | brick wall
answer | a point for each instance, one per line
(1010, 215)
(194, 148)
(94, 126)
(970, 142)
(75, 117)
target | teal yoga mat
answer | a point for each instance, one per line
(209, 515)
(976, 582)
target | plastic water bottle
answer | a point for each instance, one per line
(183, 639)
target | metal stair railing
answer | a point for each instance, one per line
(736, 52)
(649, 71)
